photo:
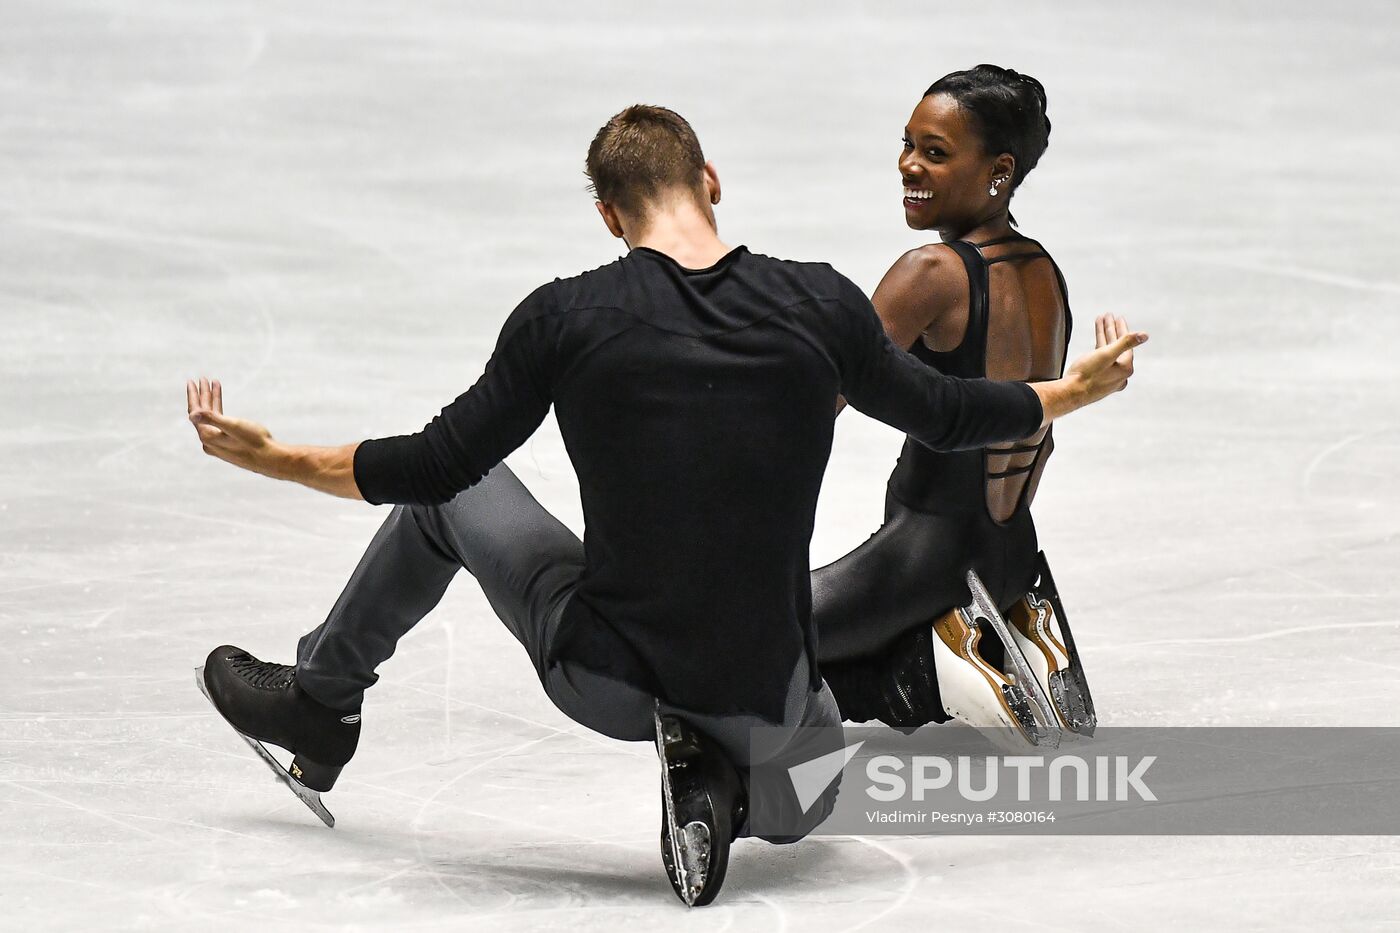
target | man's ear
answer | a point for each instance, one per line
(712, 183)
(610, 219)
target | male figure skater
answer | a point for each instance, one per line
(694, 386)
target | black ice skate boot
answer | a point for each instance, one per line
(263, 702)
(702, 807)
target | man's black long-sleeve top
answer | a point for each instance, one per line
(696, 406)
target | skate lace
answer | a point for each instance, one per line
(910, 695)
(898, 687)
(263, 673)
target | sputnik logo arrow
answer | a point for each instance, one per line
(811, 778)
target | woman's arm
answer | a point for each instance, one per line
(923, 288)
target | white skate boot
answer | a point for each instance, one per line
(1009, 704)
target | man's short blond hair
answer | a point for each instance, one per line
(642, 152)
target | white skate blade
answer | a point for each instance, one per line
(306, 795)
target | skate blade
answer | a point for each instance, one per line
(687, 853)
(1031, 623)
(1073, 704)
(1048, 730)
(687, 857)
(306, 795)
(1054, 661)
(978, 694)
(1079, 702)
(1074, 686)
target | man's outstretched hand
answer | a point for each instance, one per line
(249, 446)
(1107, 368)
(244, 444)
(1095, 375)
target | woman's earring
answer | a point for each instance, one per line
(993, 189)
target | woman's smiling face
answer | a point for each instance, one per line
(946, 173)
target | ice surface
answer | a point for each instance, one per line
(332, 207)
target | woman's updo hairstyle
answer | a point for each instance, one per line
(1007, 111)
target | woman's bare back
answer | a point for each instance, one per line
(1027, 325)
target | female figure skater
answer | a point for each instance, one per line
(985, 301)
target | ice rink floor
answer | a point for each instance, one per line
(332, 207)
